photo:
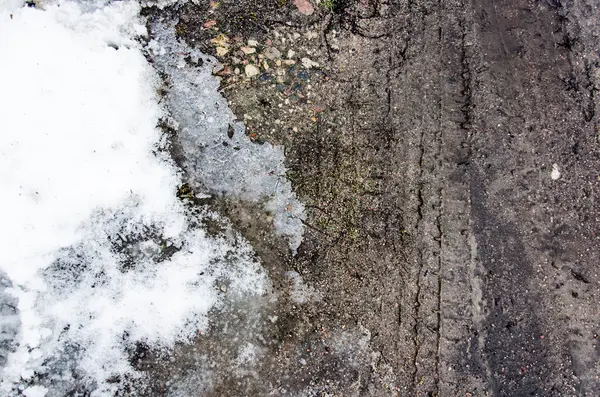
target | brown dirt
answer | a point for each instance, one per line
(446, 259)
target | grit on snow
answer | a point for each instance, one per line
(97, 251)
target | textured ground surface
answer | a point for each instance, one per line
(448, 155)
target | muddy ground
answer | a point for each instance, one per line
(448, 155)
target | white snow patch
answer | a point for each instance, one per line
(161, 4)
(239, 167)
(99, 251)
(35, 391)
(11, 5)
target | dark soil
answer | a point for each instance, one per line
(447, 259)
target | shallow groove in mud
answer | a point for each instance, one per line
(425, 172)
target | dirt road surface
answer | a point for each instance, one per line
(448, 156)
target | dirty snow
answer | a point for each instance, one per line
(231, 166)
(300, 292)
(97, 252)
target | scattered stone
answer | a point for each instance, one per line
(555, 174)
(236, 71)
(289, 62)
(252, 43)
(251, 71)
(272, 53)
(311, 35)
(210, 24)
(220, 41)
(248, 50)
(308, 63)
(278, 62)
(221, 51)
(318, 109)
(303, 75)
(304, 7)
(291, 53)
(266, 65)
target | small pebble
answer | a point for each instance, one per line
(210, 24)
(251, 71)
(311, 35)
(308, 63)
(272, 53)
(248, 50)
(555, 174)
(304, 7)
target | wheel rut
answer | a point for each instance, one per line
(444, 253)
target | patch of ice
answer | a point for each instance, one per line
(300, 292)
(98, 251)
(225, 165)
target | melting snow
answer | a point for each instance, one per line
(97, 251)
(240, 168)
